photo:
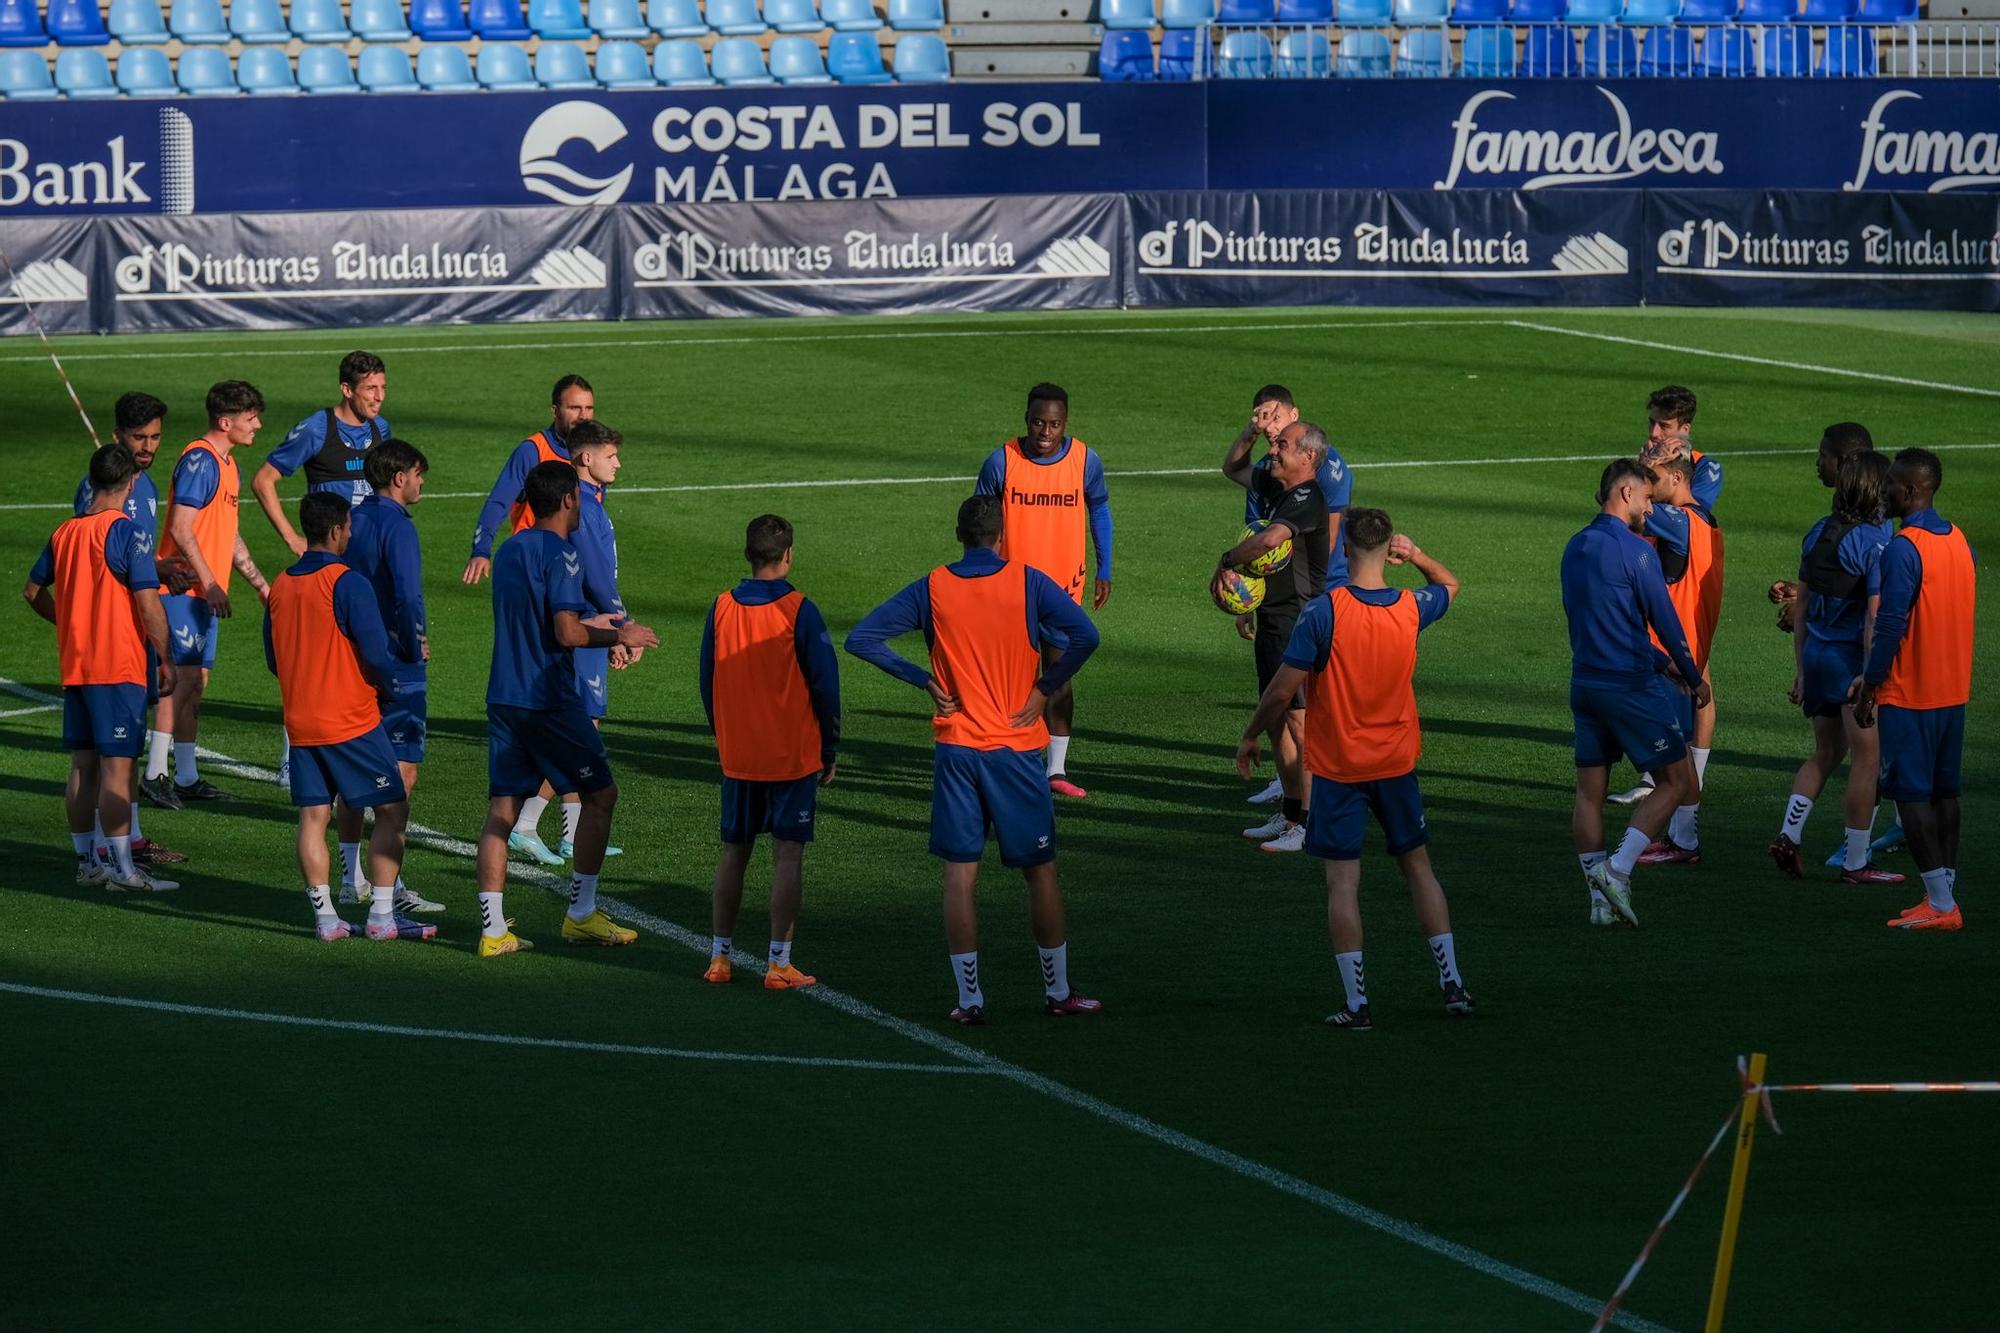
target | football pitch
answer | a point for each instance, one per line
(210, 1118)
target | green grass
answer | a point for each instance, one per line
(186, 1169)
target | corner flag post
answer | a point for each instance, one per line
(1739, 1178)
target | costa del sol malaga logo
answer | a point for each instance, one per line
(560, 125)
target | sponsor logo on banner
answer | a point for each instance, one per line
(1869, 252)
(1372, 249)
(176, 271)
(1550, 155)
(1956, 159)
(861, 257)
(114, 177)
(47, 282)
(563, 124)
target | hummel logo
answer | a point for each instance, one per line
(596, 684)
(118, 733)
(1660, 744)
(381, 782)
(583, 772)
(570, 565)
(805, 816)
(187, 638)
(1042, 841)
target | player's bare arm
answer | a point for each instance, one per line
(1275, 702)
(41, 599)
(1236, 459)
(265, 484)
(1404, 551)
(247, 567)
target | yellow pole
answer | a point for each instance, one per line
(1732, 1212)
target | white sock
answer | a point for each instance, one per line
(1937, 888)
(1700, 762)
(1682, 830)
(781, 953)
(1796, 811)
(1351, 979)
(1055, 972)
(719, 946)
(531, 815)
(1628, 853)
(965, 969)
(86, 847)
(1857, 849)
(1445, 954)
(572, 816)
(382, 904)
(493, 920)
(582, 895)
(186, 774)
(121, 855)
(157, 745)
(322, 901)
(97, 840)
(1590, 860)
(136, 835)
(284, 747)
(350, 865)
(1058, 755)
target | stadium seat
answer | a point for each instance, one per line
(1177, 56)
(738, 62)
(1478, 11)
(681, 63)
(1364, 13)
(562, 66)
(1245, 55)
(557, 20)
(1887, 11)
(1313, 12)
(1609, 53)
(197, 21)
(137, 22)
(437, 20)
(204, 71)
(1788, 52)
(1417, 13)
(1186, 13)
(381, 69)
(916, 15)
(1709, 11)
(504, 68)
(500, 20)
(319, 21)
(1124, 15)
(850, 15)
(619, 19)
(1667, 53)
(1829, 11)
(855, 58)
(622, 64)
(1423, 54)
(324, 70)
(84, 74)
(258, 22)
(1849, 54)
(24, 76)
(1246, 11)
(1538, 11)
(1487, 53)
(442, 69)
(263, 71)
(1549, 52)
(21, 25)
(794, 16)
(1589, 13)
(1768, 11)
(1125, 56)
(1650, 13)
(1309, 55)
(677, 18)
(1726, 53)
(736, 18)
(77, 23)
(795, 61)
(144, 72)
(922, 57)
(378, 20)
(1363, 55)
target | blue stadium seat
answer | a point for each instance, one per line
(622, 64)
(83, 73)
(1246, 11)
(795, 61)
(916, 15)
(197, 21)
(499, 20)
(1313, 12)
(443, 69)
(620, 19)
(1768, 11)
(1309, 55)
(1610, 53)
(21, 25)
(1788, 52)
(681, 63)
(324, 70)
(382, 69)
(558, 20)
(1487, 53)
(1726, 53)
(1186, 13)
(736, 18)
(1539, 11)
(738, 62)
(1849, 54)
(505, 68)
(1417, 13)
(378, 20)
(1245, 55)
(77, 23)
(1479, 11)
(794, 16)
(1363, 55)
(1364, 13)
(1589, 13)
(1829, 11)
(1651, 13)
(264, 71)
(1888, 11)
(144, 72)
(1667, 53)
(137, 22)
(1709, 11)
(204, 71)
(24, 76)
(1549, 53)
(562, 66)
(320, 21)
(1177, 49)
(850, 15)
(258, 22)
(677, 18)
(1423, 54)
(437, 20)
(921, 57)
(855, 58)
(1124, 15)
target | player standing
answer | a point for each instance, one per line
(770, 684)
(331, 445)
(1051, 489)
(1286, 495)
(325, 642)
(537, 729)
(1613, 594)
(506, 510)
(985, 620)
(202, 529)
(1919, 673)
(95, 582)
(1354, 653)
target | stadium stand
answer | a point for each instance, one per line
(385, 69)
(445, 69)
(137, 22)
(324, 70)
(623, 64)
(681, 63)
(922, 57)
(319, 21)
(145, 72)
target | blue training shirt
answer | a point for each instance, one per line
(197, 479)
(1096, 495)
(506, 490)
(535, 576)
(1336, 484)
(355, 612)
(1052, 617)
(1612, 589)
(596, 541)
(305, 441)
(384, 550)
(142, 506)
(1312, 638)
(810, 642)
(1842, 620)
(128, 553)
(1902, 575)
(1707, 482)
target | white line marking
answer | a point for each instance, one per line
(38, 708)
(1876, 376)
(489, 1038)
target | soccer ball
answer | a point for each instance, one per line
(1240, 593)
(1272, 560)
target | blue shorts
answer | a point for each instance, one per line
(191, 631)
(1004, 790)
(1826, 674)
(362, 772)
(528, 746)
(781, 809)
(110, 719)
(1683, 704)
(1340, 812)
(1640, 723)
(593, 679)
(406, 716)
(1921, 748)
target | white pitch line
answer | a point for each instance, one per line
(38, 708)
(488, 1038)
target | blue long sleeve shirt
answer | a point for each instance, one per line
(810, 641)
(513, 477)
(597, 542)
(384, 550)
(355, 612)
(1096, 495)
(1902, 577)
(1707, 483)
(1052, 617)
(1612, 590)
(142, 506)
